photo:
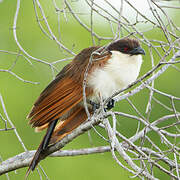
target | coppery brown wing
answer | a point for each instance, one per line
(64, 96)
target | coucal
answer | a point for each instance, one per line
(60, 106)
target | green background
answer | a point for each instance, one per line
(19, 96)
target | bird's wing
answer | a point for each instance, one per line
(60, 96)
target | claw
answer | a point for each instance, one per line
(110, 104)
(94, 105)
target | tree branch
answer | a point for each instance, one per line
(24, 159)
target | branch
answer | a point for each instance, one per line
(11, 123)
(23, 160)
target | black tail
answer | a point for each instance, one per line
(44, 144)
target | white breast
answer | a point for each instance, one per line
(119, 72)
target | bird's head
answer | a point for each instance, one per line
(127, 46)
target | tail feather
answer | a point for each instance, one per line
(42, 147)
(48, 134)
(57, 132)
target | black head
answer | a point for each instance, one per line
(126, 46)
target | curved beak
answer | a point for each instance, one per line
(138, 50)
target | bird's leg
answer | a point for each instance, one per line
(110, 104)
(94, 105)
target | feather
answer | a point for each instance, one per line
(41, 147)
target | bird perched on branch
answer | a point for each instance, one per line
(60, 106)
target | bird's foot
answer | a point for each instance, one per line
(95, 106)
(110, 104)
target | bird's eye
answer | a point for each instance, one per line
(126, 49)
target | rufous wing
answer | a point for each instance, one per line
(56, 100)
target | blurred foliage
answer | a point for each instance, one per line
(20, 96)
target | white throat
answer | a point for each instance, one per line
(120, 71)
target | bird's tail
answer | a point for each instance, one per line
(42, 147)
(57, 132)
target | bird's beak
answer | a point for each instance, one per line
(138, 50)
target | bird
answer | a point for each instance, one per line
(60, 108)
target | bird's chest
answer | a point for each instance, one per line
(117, 74)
